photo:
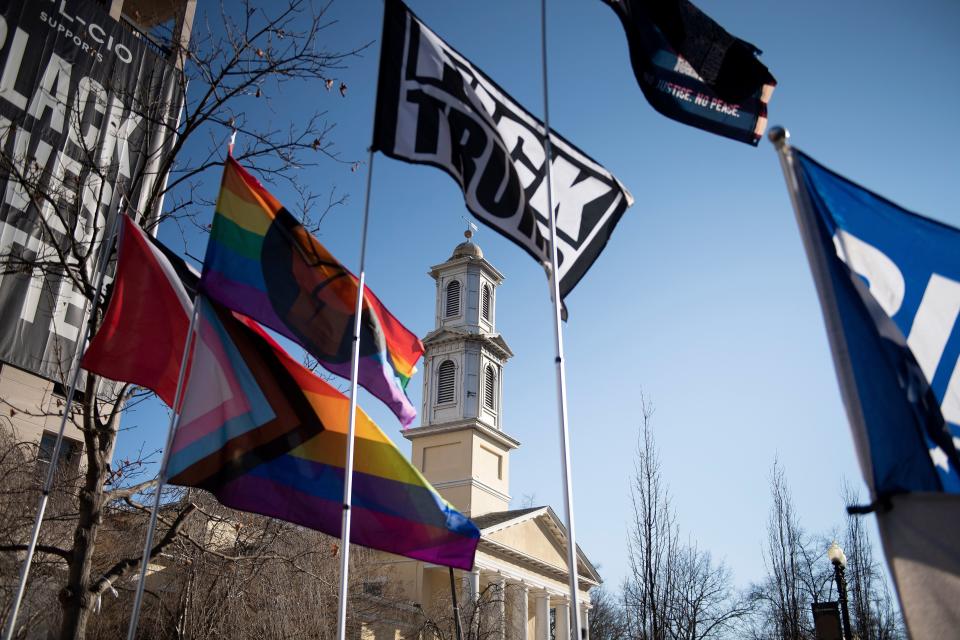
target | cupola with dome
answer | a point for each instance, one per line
(460, 446)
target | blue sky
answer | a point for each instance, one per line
(703, 299)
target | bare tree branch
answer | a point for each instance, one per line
(125, 566)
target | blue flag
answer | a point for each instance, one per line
(889, 283)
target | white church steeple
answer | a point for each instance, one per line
(460, 446)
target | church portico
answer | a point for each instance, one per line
(510, 607)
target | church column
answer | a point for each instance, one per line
(585, 622)
(501, 608)
(475, 585)
(471, 586)
(521, 611)
(542, 616)
(562, 629)
(470, 613)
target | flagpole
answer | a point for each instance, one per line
(348, 469)
(457, 624)
(161, 476)
(817, 259)
(558, 340)
(354, 373)
(74, 376)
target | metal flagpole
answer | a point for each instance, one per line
(458, 625)
(817, 258)
(558, 336)
(351, 430)
(161, 476)
(348, 469)
(55, 454)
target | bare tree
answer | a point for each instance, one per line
(794, 577)
(238, 575)
(486, 616)
(673, 590)
(607, 618)
(21, 478)
(652, 543)
(237, 61)
(798, 574)
(705, 603)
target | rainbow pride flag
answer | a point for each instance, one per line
(261, 262)
(266, 435)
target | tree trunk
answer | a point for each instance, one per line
(76, 599)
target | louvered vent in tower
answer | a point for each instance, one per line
(490, 389)
(446, 379)
(453, 299)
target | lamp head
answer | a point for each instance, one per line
(836, 554)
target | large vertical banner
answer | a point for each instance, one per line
(87, 108)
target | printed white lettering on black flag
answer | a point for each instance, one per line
(87, 109)
(434, 107)
(691, 70)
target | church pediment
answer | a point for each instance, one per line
(535, 537)
(443, 334)
(500, 342)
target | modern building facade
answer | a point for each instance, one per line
(31, 403)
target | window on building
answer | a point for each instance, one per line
(485, 302)
(453, 299)
(69, 456)
(446, 379)
(374, 587)
(490, 388)
(60, 391)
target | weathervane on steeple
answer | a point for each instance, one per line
(471, 228)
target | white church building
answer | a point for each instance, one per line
(461, 447)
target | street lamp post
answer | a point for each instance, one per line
(839, 560)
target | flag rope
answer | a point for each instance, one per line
(161, 476)
(574, 608)
(74, 376)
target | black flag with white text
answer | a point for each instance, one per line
(434, 107)
(88, 112)
(691, 70)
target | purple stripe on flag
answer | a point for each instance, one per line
(369, 528)
(375, 374)
(416, 502)
(241, 297)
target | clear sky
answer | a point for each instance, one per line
(703, 300)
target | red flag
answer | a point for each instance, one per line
(142, 335)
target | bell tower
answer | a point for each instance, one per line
(461, 447)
